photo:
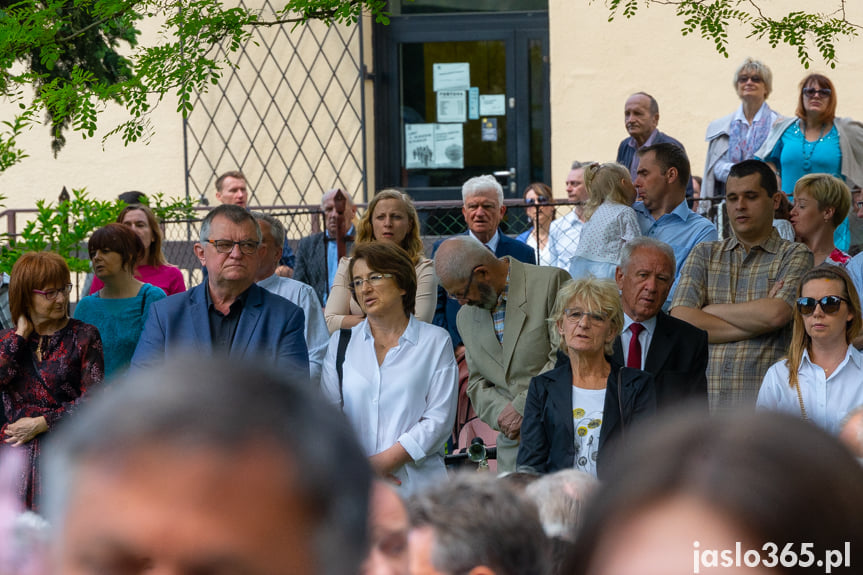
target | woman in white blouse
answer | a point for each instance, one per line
(611, 221)
(399, 377)
(822, 378)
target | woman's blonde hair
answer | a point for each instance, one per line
(598, 295)
(829, 191)
(800, 340)
(412, 243)
(603, 183)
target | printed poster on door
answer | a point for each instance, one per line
(434, 146)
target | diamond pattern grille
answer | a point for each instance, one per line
(289, 115)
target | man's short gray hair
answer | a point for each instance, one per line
(481, 184)
(234, 214)
(330, 193)
(478, 520)
(459, 258)
(226, 406)
(561, 498)
(277, 228)
(576, 165)
(646, 242)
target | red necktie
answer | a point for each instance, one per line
(634, 357)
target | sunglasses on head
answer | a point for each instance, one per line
(829, 304)
(536, 200)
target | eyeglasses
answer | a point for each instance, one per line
(829, 304)
(248, 247)
(52, 294)
(576, 315)
(536, 200)
(374, 279)
(755, 78)
(463, 295)
(812, 92)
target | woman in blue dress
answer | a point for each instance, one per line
(119, 309)
(816, 141)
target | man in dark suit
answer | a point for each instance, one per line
(674, 351)
(483, 211)
(317, 255)
(228, 314)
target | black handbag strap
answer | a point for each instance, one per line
(344, 339)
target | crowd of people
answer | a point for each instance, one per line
(651, 393)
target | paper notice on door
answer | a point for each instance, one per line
(449, 146)
(451, 76)
(451, 107)
(492, 105)
(419, 146)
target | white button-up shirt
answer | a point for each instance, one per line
(644, 338)
(827, 399)
(410, 398)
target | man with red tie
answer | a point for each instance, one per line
(673, 351)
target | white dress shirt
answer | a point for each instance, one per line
(644, 338)
(563, 237)
(827, 399)
(316, 332)
(410, 398)
(492, 243)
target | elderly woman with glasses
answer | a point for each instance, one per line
(816, 141)
(822, 378)
(394, 376)
(48, 362)
(575, 411)
(735, 137)
(536, 200)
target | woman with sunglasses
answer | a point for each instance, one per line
(120, 307)
(735, 137)
(394, 376)
(816, 141)
(573, 412)
(822, 378)
(48, 361)
(536, 199)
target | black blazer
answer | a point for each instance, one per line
(446, 309)
(677, 358)
(548, 432)
(311, 260)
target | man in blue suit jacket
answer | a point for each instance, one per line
(228, 313)
(483, 211)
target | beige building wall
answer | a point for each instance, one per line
(596, 65)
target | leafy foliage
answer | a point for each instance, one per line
(64, 227)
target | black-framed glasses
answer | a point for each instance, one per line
(52, 294)
(830, 304)
(754, 78)
(248, 247)
(463, 295)
(812, 92)
(374, 279)
(536, 200)
(575, 314)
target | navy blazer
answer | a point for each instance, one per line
(271, 329)
(446, 309)
(677, 359)
(626, 154)
(548, 431)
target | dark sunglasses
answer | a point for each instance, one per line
(829, 304)
(811, 92)
(536, 200)
(756, 79)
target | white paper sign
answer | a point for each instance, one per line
(449, 146)
(492, 105)
(451, 107)
(450, 76)
(419, 146)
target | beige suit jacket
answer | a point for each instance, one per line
(500, 373)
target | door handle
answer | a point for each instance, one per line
(510, 174)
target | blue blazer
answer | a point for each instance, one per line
(446, 309)
(270, 330)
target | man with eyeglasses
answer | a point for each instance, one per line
(228, 314)
(564, 233)
(742, 290)
(503, 323)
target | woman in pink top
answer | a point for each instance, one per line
(152, 268)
